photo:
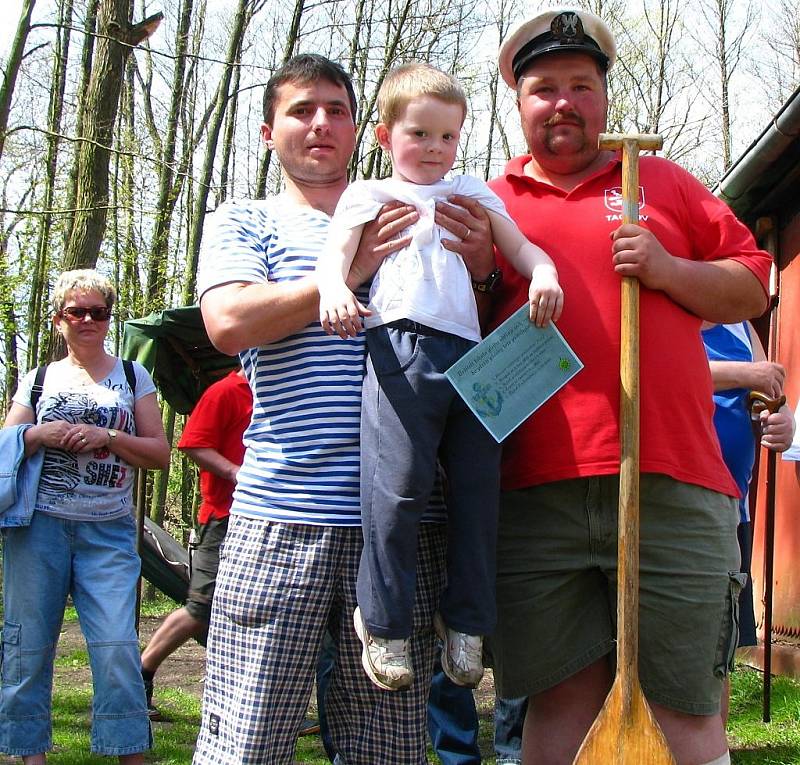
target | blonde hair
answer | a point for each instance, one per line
(82, 280)
(410, 81)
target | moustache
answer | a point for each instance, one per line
(560, 119)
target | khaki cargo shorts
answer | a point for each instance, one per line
(556, 587)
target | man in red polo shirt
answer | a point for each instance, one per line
(557, 538)
(212, 439)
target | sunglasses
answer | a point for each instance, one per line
(98, 313)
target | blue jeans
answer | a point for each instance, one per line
(509, 716)
(452, 720)
(96, 563)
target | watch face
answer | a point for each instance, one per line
(490, 283)
(493, 280)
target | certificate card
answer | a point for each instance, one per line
(513, 371)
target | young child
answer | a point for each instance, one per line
(422, 318)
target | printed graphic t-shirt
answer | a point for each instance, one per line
(95, 485)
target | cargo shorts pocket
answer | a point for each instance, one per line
(10, 654)
(729, 629)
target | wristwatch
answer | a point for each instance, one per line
(112, 434)
(491, 283)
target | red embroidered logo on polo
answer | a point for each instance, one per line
(613, 202)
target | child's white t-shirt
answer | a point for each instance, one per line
(423, 282)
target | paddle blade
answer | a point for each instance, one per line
(624, 734)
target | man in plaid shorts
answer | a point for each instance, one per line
(290, 559)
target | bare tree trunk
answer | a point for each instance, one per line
(724, 81)
(167, 194)
(228, 138)
(155, 296)
(87, 53)
(158, 499)
(387, 63)
(358, 66)
(244, 13)
(12, 67)
(102, 102)
(8, 320)
(502, 23)
(189, 492)
(131, 300)
(728, 46)
(8, 316)
(55, 111)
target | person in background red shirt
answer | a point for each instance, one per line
(212, 439)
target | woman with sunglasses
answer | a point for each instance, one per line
(95, 427)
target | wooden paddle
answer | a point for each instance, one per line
(625, 731)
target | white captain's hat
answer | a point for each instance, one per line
(559, 29)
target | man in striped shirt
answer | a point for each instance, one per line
(288, 568)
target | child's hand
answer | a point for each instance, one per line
(546, 296)
(340, 313)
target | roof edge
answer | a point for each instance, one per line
(763, 152)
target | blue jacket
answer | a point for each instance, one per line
(19, 477)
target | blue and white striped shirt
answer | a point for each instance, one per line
(302, 459)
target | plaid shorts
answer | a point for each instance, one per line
(280, 586)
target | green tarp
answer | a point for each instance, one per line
(174, 347)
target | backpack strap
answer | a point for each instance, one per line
(38, 384)
(38, 387)
(130, 374)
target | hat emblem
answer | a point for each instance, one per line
(567, 28)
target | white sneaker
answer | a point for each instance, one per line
(385, 661)
(461, 654)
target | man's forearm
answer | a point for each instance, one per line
(722, 291)
(727, 375)
(240, 316)
(212, 461)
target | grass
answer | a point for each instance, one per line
(174, 740)
(753, 742)
(160, 605)
(756, 742)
